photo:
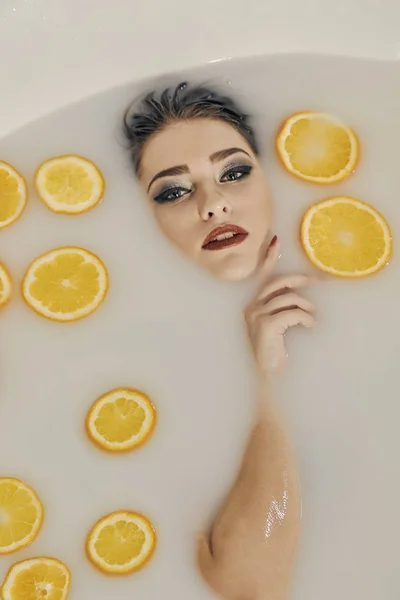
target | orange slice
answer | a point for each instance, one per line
(317, 147)
(65, 284)
(346, 237)
(5, 285)
(69, 184)
(121, 543)
(37, 579)
(121, 420)
(13, 194)
(21, 515)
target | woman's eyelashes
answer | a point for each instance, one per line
(171, 193)
(235, 172)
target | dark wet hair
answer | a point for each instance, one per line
(184, 102)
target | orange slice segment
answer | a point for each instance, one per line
(121, 420)
(317, 147)
(65, 284)
(121, 543)
(69, 184)
(5, 285)
(21, 515)
(37, 579)
(346, 237)
(13, 194)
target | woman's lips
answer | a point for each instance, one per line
(224, 237)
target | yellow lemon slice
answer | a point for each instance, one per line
(5, 285)
(65, 284)
(346, 237)
(21, 515)
(37, 579)
(69, 184)
(121, 543)
(121, 420)
(317, 147)
(13, 194)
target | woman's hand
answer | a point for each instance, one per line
(276, 307)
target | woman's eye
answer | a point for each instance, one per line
(236, 173)
(171, 195)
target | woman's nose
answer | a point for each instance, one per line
(213, 204)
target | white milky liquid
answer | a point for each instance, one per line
(172, 331)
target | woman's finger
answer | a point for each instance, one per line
(278, 287)
(282, 285)
(269, 263)
(281, 322)
(287, 301)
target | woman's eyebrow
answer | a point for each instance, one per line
(222, 154)
(178, 170)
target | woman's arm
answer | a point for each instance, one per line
(248, 555)
(249, 552)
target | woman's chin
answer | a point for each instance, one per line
(233, 269)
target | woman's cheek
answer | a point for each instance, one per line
(165, 220)
(260, 198)
(174, 222)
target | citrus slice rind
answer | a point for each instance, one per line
(5, 285)
(121, 543)
(21, 515)
(65, 284)
(346, 237)
(317, 147)
(39, 578)
(13, 194)
(121, 420)
(69, 184)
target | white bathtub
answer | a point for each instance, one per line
(57, 51)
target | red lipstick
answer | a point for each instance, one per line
(224, 237)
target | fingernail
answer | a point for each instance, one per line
(273, 241)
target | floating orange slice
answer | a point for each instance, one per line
(317, 147)
(346, 237)
(121, 543)
(5, 285)
(21, 515)
(65, 284)
(69, 184)
(121, 420)
(13, 194)
(37, 579)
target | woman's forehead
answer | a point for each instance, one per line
(186, 141)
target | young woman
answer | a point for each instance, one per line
(196, 157)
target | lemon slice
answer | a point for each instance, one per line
(13, 194)
(5, 285)
(65, 284)
(21, 515)
(121, 420)
(317, 147)
(346, 237)
(69, 184)
(37, 579)
(121, 543)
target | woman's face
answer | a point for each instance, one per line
(209, 195)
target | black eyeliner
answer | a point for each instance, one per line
(243, 168)
(160, 198)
